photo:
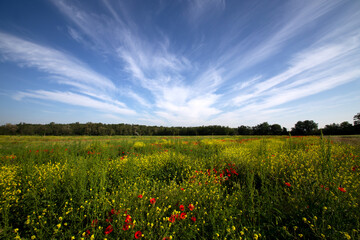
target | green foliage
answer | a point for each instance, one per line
(178, 188)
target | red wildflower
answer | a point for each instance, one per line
(152, 200)
(183, 215)
(172, 218)
(342, 189)
(193, 219)
(233, 171)
(108, 230)
(140, 196)
(182, 208)
(191, 207)
(94, 223)
(288, 184)
(126, 227)
(138, 234)
(182, 189)
(88, 232)
(128, 219)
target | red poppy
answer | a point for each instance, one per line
(342, 189)
(288, 184)
(108, 230)
(138, 234)
(183, 215)
(182, 189)
(152, 200)
(191, 207)
(193, 219)
(88, 232)
(140, 196)
(182, 208)
(128, 219)
(172, 218)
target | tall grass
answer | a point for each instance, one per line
(178, 188)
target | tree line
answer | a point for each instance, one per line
(307, 127)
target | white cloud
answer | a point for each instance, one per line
(50, 61)
(63, 69)
(265, 42)
(74, 99)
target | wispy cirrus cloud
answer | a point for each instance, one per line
(75, 99)
(321, 67)
(63, 69)
(151, 62)
(51, 61)
(268, 40)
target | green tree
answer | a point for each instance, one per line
(307, 127)
(357, 119)
(262, 129)
(275, 129)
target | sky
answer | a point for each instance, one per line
(179, 62)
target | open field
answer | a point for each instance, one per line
(178, 188)
(350, 139)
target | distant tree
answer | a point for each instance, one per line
(357, 119)
(346, 128)
(332, 129)
(10, 128)
(244, 130)
(262, 129)
(307, 127)
(284, 131)
(357, 124)
(275, 129)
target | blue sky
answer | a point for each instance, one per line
(180, 62)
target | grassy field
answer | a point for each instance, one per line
(178, 188)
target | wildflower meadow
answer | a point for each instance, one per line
(227, 187)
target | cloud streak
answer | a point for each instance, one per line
(152, 65)
(51, 61)
(74, 99)
(64, 69)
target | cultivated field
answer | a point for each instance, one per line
(178, 188)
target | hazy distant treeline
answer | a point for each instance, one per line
(307, 127)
